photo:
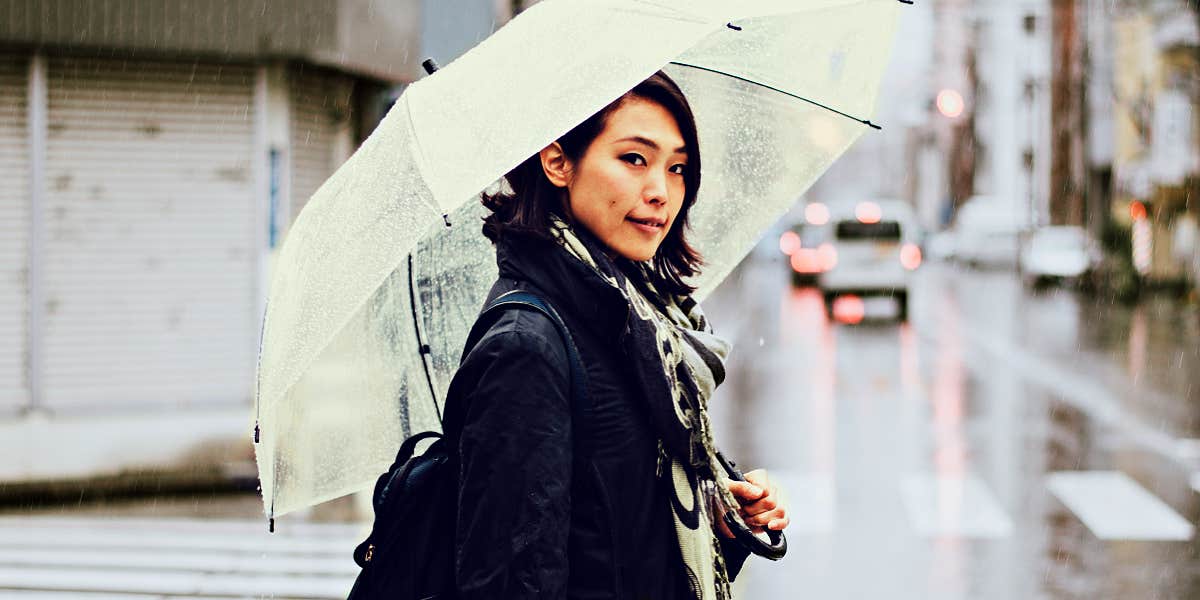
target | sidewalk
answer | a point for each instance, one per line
(46, 455)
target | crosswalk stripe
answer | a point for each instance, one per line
(1115, 507)
(250, 542)
(284, 528)
(47, 558)
(173, 583)
(82, 595)
(208, 562)
(955, 506)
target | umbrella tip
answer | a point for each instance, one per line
(872, 125)
(256, 432)
(446, 218)
(430, 65)
(906, 1)
(736, 28)
(270, 525)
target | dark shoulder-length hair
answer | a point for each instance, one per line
(525, 208)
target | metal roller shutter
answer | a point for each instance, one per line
(14, 231)
(150, 258)
(319, 106)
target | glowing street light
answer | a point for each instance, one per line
(950, 103)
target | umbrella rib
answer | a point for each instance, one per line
(784, 92)
(258, 418)
(422, 346)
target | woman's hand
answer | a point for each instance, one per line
(761, 503)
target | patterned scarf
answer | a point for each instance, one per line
(678, 362)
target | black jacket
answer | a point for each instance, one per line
(535, 518)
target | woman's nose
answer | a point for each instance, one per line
(655, 191)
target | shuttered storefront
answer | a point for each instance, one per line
(149, 249)
(14, 232)
(320, 102)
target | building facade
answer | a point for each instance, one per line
(154, 153)
(1156, 161)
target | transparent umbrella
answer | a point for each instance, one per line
(384, 270)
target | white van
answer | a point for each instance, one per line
(987, 232)
(875, 252)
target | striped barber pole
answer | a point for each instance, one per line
(1143, 241)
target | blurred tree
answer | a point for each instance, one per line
(1066, 115)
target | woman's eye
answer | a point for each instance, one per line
(634, 159)
(679, 169)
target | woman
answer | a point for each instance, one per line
(595, 224)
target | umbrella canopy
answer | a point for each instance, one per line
(384, 270)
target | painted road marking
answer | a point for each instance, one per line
(173, 583)
(48, 595)
(953, 506)
(98, 557)
(248, 543)
(1081, 391)
(209, 562)
(1115, 507)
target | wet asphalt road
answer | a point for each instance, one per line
(1005, 443)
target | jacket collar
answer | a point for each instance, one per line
(570, 285)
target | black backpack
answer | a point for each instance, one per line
(410, 551)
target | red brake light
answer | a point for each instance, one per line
(828, 256)
(910, 256)
(849, 309)
(868, 212)
(806, 261)
(789, 243)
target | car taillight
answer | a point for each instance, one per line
(910, 256)
(849, 309)
(828, 256)
(806, 262)
(868, 212)
(789, 243)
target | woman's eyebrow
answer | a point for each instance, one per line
(649, 142)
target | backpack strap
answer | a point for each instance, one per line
(407, 449)
(524, 300)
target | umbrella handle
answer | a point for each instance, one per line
(773, 550)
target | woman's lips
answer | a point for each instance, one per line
(649, 226)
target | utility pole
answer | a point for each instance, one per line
(1066, 115)
(1194, 184)
(964, 142)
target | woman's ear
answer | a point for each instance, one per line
(556, 165)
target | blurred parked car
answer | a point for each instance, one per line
(873, 250)
(809, 253)
(987, 232)
(1058, 253)
(939, 246)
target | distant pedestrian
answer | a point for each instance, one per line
(596, 223)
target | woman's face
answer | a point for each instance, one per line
(628, 186)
